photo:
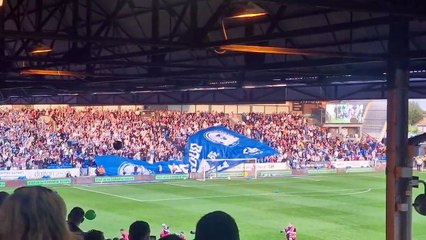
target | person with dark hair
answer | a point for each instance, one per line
(100, 171)
(171, 237)
(290, 232)
(182, 236)
(3, 196)
(165, 231)
(94, 235)
(217, 225)
(75, 218)
(124, 234)
(139, 230)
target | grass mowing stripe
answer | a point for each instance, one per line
(337, 192)
(172, 199)
(308, 179)
(336, 211)
(327, 193)
(220, 183)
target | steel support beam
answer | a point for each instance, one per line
(155, 35)
(75, 18)
(10, 34)
(177, 25)
(276, 19)
(414, 9)
(155, 20)
(39, 15)
(279, 66)
(306, 31)
(2, 43)
(213, 20)
(220, 96)
(40, 23)
(193, 19)
(89, 67)
(398, 166)
(179, 45)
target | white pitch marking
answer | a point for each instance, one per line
(328, 193)
(308, 178)
(205, 184)
(172, 199)
(176, 184)
(355, 193)
(226, 196)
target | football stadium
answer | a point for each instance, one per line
(168, 167)
(322, 206)
(212, 119)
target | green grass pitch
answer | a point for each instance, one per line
(345, 207)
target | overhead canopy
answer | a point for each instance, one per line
(173, 51)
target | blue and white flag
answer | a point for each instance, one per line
(115, 166)
(217, 148)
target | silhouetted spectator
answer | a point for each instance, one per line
(75, 218)
(171, 237)
(124, 234)
(217, 225)
(139, 230)
(3, 196)
(94, 235)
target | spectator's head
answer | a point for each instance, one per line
(34, 213)
(182, 235)
(217, 225)
(139, 230)
(76, 215)
(94, 235)
(165, 226)
(171, 237)
(3, 196)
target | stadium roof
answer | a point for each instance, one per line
(172, 51)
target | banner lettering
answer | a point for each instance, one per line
(38, 173)
(42, 182)
(114, 179)
(216, 148)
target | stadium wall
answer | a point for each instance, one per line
(38, 173)
(89, 180)
(62, 173)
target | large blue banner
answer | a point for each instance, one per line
(123, 166)
(218, 148)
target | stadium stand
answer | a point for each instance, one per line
(65, 137)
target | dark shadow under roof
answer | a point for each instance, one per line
(167, 51)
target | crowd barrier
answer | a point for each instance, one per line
(351, 164)
(38, 173)
(267, 170)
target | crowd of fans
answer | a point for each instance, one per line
(38, 213)
(66, 137)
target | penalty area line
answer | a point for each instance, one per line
(177, 184)
(355, 193)
(326, 193)
(171, 199)
(308, 178)
(208, 183)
